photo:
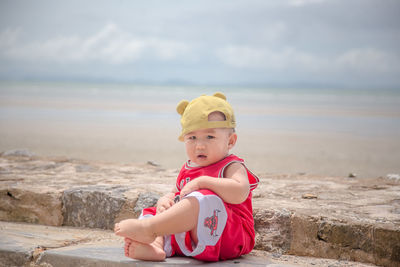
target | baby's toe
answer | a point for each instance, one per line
(116, 228)
(126, 248)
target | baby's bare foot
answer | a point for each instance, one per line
(140, 251)
(128, 242)
(137, 230)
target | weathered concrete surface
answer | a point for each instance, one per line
(349, 219)
(345, 240)
(34, 205)
(334, 217)
(92, 206)
(38, 245)
(273, 230)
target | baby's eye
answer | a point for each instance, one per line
(210, 137)
(192, 137)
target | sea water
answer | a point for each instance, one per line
(352, 111)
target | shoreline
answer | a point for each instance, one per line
(279, 131)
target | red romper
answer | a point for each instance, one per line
(224, 231)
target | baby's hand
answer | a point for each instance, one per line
(164, 203)
(190, 187)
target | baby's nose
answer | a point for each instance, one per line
(200, 145)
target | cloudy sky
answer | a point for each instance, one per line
(282, 43)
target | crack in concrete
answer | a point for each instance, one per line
(37, 253)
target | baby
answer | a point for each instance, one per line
(208, 214)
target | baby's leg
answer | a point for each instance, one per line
(181, 217)
(147, 252)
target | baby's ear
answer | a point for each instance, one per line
(180, 108)
(220, 95)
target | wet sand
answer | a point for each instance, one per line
(264, 152)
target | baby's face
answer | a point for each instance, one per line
(207, 146)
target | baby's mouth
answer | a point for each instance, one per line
(201, 156)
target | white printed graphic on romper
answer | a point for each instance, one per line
(184, 181)
(212, 222)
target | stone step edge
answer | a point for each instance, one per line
(280, 231)
(38, 245)
(23, 244)
(110, 256)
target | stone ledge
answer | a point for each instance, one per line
(33, 206)
(345, 240)
(278, 231)
(37, 245)
(349, 219)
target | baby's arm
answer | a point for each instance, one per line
(166, 201)
(233, 189)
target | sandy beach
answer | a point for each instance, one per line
(302, 153)
(290, 134)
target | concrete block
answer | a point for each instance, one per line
(30, 205)
(273, 230)
(93, 206)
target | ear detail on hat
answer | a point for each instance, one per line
(180, 108)
(220, 95)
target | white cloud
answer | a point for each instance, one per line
(365, 61)
(247, 57)
(304, 2)
(110, 45)
(8, 38)
(368, 60)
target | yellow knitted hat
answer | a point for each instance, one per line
(195, 114)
